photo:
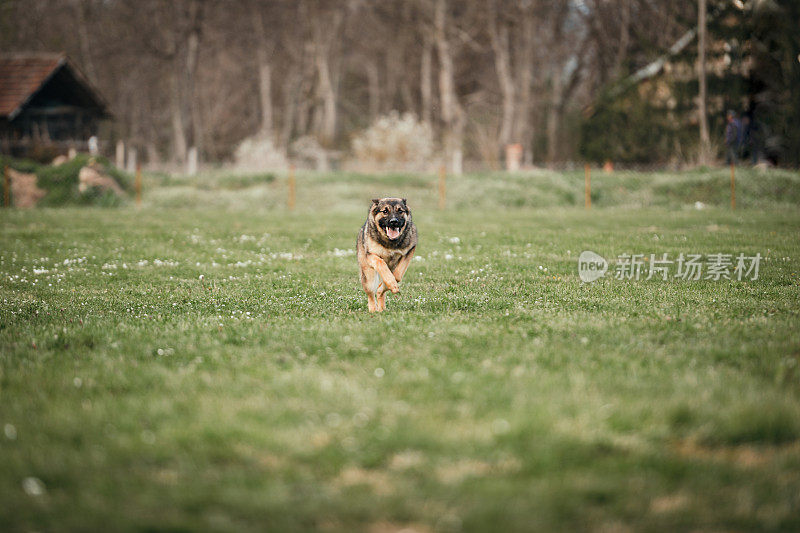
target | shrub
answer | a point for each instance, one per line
(62, 183)
(395, 142)
(259, 153)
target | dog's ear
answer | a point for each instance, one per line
(404, 202)
(376, 201)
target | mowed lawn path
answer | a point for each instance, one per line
(196, 369)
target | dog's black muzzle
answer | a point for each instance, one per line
(396, 223)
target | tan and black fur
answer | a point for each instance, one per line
(385, 247)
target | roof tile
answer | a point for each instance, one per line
(21, 75)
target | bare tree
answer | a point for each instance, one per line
(425, 83)
(705, 141)
(264, 51)
(82, 8)
(566, 60)
(326, 24)
(499, 33)
(452, 113)
(524, 129)
(178, 44)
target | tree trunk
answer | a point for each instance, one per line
(523, 125)
(265, 92)
(290, 88)
(83, 38)
(373, 83)
(502, 64)
(152, 153)
(624, 37)
(184, 101)
(179, 142)
(304, 102)
(327, 121)
(264, 72)
(705, 142)
(406, 95)
(452, 114)
(326, 30)
(305, 92)
(425, 86)
(394, 69)
(192, 63)
(554, 118)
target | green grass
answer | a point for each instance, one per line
(343, 191)
(492, 395)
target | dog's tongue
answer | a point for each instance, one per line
(392, 233)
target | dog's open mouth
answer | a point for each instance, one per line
(392, 233)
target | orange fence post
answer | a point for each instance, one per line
(442, 186)
(588, 186)
(6, 187)
(138, 185)
(291, 199)
(733, 187)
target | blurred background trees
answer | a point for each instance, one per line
(567, 80)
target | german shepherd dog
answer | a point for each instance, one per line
(385, 246)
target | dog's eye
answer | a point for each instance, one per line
(385, 210)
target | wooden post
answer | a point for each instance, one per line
(131, 161)
(733, 186)
(6, 187)
(291, 198)
(138, 185)
(120, 159)
(191, 161)
(588, 186)
(442, 186)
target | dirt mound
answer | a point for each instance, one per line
(24, 192)
(90, 176)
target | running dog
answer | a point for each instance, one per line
(385, 246)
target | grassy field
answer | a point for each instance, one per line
(207, 362)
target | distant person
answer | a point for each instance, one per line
(733, 138)
(753, 138)
(744, 137)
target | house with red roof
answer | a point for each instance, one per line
(47, 106)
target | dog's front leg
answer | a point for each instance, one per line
(386, 275)
(380, 299)
(400, 270)
(379, 290)
(372, 303)
(371, 281)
